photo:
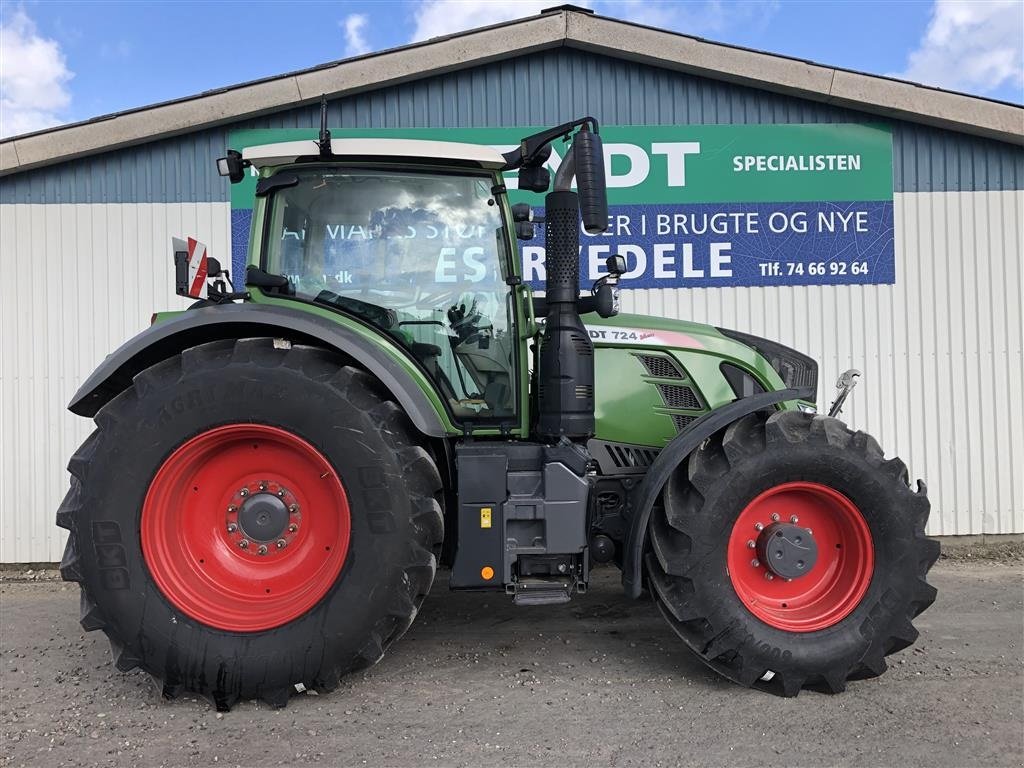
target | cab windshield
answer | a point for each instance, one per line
(420, 256)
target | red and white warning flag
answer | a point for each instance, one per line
(190, 267)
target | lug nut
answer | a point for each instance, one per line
(262, 549)
(232, 527)
(758, 527)
(768, 576)
(244, 492)
(263, 486)
(280, 493)
(750, 544)
(281, 543)
(232, 508)
(775, 517)
(244, 543)
(293, 528)
(794, 519)
(755, 562)
(810, 532)
(293, 508)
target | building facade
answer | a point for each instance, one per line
(87, 213)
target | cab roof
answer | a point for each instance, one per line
(447, 152)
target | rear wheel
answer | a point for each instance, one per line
(248, 520)
(788, 553)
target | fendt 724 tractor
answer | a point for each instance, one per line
(276, 473)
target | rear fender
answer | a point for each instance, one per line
(666, 463)
(237, 321)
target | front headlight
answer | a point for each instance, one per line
(797, 370)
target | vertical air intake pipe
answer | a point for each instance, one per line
(566, 365)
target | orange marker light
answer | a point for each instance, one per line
(487, 573)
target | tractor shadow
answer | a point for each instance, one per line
(601, 630)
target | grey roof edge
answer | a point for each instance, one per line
(227, 105)
(842, 87)
(562, 26)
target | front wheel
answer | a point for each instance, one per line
(788, 553)
(247, 520)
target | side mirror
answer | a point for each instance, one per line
(588, 151)
(616, 265)
(604, 300)
(524, 230)
(607, 301)
(232, 166)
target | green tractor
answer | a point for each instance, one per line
(276, 473)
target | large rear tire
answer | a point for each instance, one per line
(248, 520)
(831, 617)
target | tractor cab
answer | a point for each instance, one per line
(408, 237)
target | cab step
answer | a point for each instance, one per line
(541, 591)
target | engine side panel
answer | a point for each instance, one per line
(655, 377)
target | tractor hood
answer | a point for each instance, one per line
(645, 331)
(656, 376)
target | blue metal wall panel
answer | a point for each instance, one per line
(539, 89)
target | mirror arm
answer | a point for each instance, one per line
(532, 145)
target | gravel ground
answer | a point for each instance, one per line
(476, 682)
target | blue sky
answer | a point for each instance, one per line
(66, 61)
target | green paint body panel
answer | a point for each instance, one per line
(629, 407)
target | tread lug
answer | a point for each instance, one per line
(89, 614)
(69, 508)
(70, 563)
(276, 697)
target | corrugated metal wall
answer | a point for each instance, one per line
(78, 280)
(542, 89)
(84, 254)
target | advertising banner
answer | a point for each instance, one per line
(697, 206)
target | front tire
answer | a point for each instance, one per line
(247, 520)
(818, 621)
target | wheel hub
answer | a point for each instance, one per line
(787, 550)
(263, 517)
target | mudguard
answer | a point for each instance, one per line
(198, 326)
(666, 462)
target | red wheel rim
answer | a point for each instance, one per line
(837, 581)
(195, 518)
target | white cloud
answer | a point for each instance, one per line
(33, 77)
(355, 42)
(971, 45)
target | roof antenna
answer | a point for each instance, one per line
(325, 135)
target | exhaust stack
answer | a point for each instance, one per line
(566, 364)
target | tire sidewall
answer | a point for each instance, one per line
(892, 584)
(150, 422)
